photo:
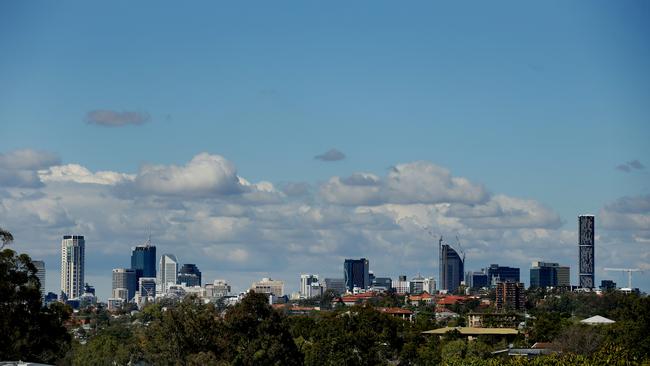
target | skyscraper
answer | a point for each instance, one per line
(544, 274)
(124, 278)
(335, 284)
(452, 268)
(305, 284)
(497, 273)
(167, 272)
(143, 260)
(72, 265)
(356, 273)
(190, 275)
(40, 273)
(586, 250)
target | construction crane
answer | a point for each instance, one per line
(629, 273)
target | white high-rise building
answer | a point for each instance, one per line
(305, 284)
(167, 272)
(40, 273)
(73, 249)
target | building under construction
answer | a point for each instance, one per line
(451, 266)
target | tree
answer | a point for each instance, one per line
(257, 334)
(579, 339)
(5, 237)
(29, 331)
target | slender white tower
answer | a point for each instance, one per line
(73, 248)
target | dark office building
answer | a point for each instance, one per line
(586, 251)
(452, 268)
(190, 275)
(356, 273)
(479, 280)
(542, 275)
(606, 285)
(497, 273)
(383, 282)
(143, 261)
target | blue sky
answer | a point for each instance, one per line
(535, 101)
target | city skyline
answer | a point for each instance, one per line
(257, 142)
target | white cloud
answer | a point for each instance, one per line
(79, 174)
(204, 175)
(418, 182)
(627, 213)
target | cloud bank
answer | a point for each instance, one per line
(206, 213)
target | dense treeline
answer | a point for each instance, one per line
(253, 333)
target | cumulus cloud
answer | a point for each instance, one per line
(79, 174)
(19, 168)
(630, 165)
(418, 182)
(507, 212)
(330, 155)
(109, 118)
(204, 175)
(627, 213)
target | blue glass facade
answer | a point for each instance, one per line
(503, 274)
(356, 273)
(143, 261)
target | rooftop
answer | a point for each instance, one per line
(474, 331)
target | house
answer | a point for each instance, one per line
(404, 314)
(423, 299)
(444, 313)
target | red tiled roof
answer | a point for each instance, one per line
(451, 299)
(395, 311)
(423, 296)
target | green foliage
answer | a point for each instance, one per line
(29, 331)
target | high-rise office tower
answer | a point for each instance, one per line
(167, 272)
(190, 275)
(143, 260)
(305, 284)
(124, 278)
(497, 273)
(586, 250)
(356, 273)
(73, 249)
(452, 268)
(335, 284)
(40, 273)
(545, 274)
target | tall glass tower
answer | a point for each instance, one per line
(73, 249)
(453, 269)
(143, 260)
(586, 250)
(356, 273)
